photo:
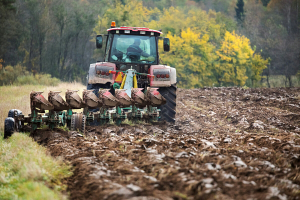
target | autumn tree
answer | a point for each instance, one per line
(290, 41)
(193, 57)
(265, 2)
(8, 26)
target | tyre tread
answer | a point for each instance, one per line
(9, 127)
(168, 111)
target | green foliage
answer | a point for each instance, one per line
(278, 81)
(28, 172)
(17, 75)
(9, 74)
(38, 79)
(8, 25)
(298, 75)
(274, 30)
(131, 14)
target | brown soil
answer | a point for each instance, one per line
(227, 143)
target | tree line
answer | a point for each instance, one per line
(214, 42)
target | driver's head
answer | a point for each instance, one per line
(137, 42)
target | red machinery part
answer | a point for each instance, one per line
(135, 29)
(112, 72)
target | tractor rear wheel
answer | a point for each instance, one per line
(168, 110)
(9, 127)
(78, 122)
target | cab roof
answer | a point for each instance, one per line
(134, 31)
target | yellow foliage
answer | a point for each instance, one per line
(192, 56)
(202, 51)
(236, 58)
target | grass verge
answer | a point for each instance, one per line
(28, 172)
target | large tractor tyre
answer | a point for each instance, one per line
(9, 127)
(78, 122)
(168, 110)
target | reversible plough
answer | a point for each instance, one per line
(128, 102)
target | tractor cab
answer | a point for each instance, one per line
(132, 47)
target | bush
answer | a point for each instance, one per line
(9, 74)
(17, 75)
(38, 79)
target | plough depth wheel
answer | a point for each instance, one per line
(78, 122)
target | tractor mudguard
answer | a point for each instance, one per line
(164, 76)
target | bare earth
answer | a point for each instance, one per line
(227, 143)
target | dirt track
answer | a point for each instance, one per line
(227, 143)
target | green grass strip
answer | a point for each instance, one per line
(27, 171)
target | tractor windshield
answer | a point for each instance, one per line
(133, 49)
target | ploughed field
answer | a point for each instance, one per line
(227, 143)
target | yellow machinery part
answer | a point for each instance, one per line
(135, 82)
(119, 77)
(123, 82)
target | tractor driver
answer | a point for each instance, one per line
(135, 52)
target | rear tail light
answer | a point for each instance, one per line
(107, 73)
(103, 73)
(162, 75)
